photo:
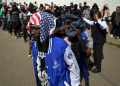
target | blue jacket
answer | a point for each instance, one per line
(57, 60)
(84, 36)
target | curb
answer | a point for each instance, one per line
(113, 43)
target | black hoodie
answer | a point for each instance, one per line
(94, 10)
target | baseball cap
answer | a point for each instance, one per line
(85, 2)
(32, 8)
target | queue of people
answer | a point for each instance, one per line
(60, 41)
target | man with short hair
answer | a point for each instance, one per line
(80, 6)
(52, 4)
(99, 38)
(54, 61)
(84, 7)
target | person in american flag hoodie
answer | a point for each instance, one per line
(54, 62)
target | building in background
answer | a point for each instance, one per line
(111, 3)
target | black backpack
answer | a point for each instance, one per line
(26, 20)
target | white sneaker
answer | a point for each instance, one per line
(30, 55)
(117, 38)
(15, 37)
(111, 35)
(7, 32)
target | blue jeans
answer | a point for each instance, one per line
(4, 23)
(83, 66)
(118, 30)
(9, 27)
(113, 27)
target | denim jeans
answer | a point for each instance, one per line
(4, 23)
(118, 30)
(9, 27)
(113, 27)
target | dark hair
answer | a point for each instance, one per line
(75, 7)
(64, 5)
(98, 13)
(87, 7)
(68, 7)
(117, 7)
(95, 5)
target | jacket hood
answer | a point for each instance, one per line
(95, 5)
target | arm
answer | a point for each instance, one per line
(7, 19)
(74, 69)
(108, 12)
(116, 17)
(84, 12)
(89, 39)
(112, 16)
(103, 24)
(82, 45)
(89, 22)
(21, 21)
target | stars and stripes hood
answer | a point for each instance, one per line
(47, 24)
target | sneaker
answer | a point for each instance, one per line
(117, 38)
(10, 34)
(30, 55)
(7, 32)
(111, 35)
(15, 37)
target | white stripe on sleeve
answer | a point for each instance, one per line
(74, 69)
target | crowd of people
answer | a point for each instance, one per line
(46, 24)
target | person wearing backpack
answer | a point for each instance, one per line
(32, 10)
(22, 16)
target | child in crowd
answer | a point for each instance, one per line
(8, 23)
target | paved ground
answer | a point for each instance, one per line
(16, 69)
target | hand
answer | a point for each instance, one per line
(23, 26)
(88, 51)
(79, 36)
(78, 31)
(65, 27)
(117, 24)
(83, 18)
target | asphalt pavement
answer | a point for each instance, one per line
(16, 69)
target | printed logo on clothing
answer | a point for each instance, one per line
(69, 55)
(83, 38)
(41, 54)
(56, 64)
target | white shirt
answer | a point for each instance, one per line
(103, 24)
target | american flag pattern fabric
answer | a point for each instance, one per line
(47, 24)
